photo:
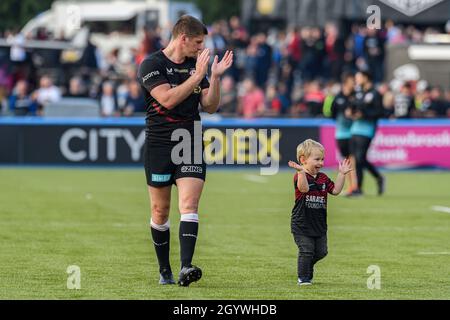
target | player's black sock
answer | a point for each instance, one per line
(161, 240)
(188, 238)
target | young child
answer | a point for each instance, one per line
(309, 216)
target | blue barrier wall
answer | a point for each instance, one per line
(103, 141)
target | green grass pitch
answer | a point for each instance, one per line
(98, 220)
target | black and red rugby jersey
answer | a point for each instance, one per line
(156, 70)
(309, 215)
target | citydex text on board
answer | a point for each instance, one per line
(222, 147)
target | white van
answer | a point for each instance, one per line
(111, 24)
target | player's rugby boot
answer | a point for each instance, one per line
(188, 275)
(166, 277)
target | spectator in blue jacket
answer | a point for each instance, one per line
(20, 102)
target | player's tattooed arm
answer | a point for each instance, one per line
(345, 167)
(302, 181)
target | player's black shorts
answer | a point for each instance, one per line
(344, 146)
(161, 171)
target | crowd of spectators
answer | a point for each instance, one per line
(288, 73)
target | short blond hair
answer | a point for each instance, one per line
(306, 147)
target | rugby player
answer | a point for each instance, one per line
(175, 82)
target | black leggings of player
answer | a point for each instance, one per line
(344, 147)
(360, 146)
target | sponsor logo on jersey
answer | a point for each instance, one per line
(318, 199)
(151, 75)
(316, 202)
(191, 169)
(181, 70)
(169, 71)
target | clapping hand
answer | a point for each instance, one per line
(295, 165)
(201, 67)
(345, 166)
(219, 68)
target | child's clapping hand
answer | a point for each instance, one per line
(345, 166)
(295, 165)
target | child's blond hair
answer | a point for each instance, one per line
(306, 147)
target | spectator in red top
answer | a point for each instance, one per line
(278, 99)
(335, 50)
(314, 98)
(295, 48)
(239, 34)
(252, 100)
(150, 43)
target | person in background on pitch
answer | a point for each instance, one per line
(175, 82)
(341, 112)
(367, 109)
(309, 215)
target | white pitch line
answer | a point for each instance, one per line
(434, 253)
(441, 209)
